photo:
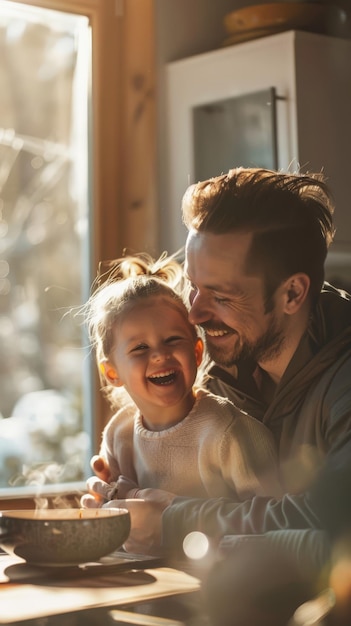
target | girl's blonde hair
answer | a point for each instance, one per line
(126, 281)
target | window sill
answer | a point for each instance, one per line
(50, 496)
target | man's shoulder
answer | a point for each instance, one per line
(220, 384)
(208, 402)
(332, 315)
(223, 410)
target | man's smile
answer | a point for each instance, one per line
(216, 333)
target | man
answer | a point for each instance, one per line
(280, 341)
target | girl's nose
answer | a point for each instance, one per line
(160, 354)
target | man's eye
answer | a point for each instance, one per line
(220, 300)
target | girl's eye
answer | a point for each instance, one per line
(140, 347)
(173, 339)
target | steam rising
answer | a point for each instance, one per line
(40, 477)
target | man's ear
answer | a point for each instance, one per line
(110, 373)
(199, 350)
(296, 290)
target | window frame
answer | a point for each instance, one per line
(115, 164)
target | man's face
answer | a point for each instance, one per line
(229, 304)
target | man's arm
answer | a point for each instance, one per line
(326, 505)
(218, 517)
(214, 517)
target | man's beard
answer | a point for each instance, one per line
(265, 348)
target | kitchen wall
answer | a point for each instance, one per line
(185, 28)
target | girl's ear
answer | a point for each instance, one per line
(199, 350)
(110, 373)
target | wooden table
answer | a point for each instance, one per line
(32, 593)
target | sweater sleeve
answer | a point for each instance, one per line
(218, 517)
(325, 505)
(249, 458)
(106, 451)
(117, 443)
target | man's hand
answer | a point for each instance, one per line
(144, 505)
(146, 519)
(126, 488)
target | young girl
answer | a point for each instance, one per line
(167, 432)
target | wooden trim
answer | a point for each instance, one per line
(138, 138)
(84, 7)
(7, 504)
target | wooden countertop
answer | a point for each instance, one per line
(29, 593)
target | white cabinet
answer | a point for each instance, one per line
(311, 75)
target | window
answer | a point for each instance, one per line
(77, 121)
(45, 425)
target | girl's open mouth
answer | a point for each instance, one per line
(165, 378)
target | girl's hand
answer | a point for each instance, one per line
(100, 467)
(98, 493)
(97, 486)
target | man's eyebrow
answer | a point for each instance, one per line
(225, 289)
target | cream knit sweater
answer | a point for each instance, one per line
(215, 451)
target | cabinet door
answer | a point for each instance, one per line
(215, 79)
(236, 131)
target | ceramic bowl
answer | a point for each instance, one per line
(62, 537)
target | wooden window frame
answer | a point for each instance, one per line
(123, 164)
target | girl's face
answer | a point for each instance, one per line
(156, 356)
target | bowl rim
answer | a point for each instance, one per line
(58, 515)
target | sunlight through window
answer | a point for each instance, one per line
(45, 380)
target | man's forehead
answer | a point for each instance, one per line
(216, 269)
(210, 248)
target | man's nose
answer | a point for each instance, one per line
(199, 310)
